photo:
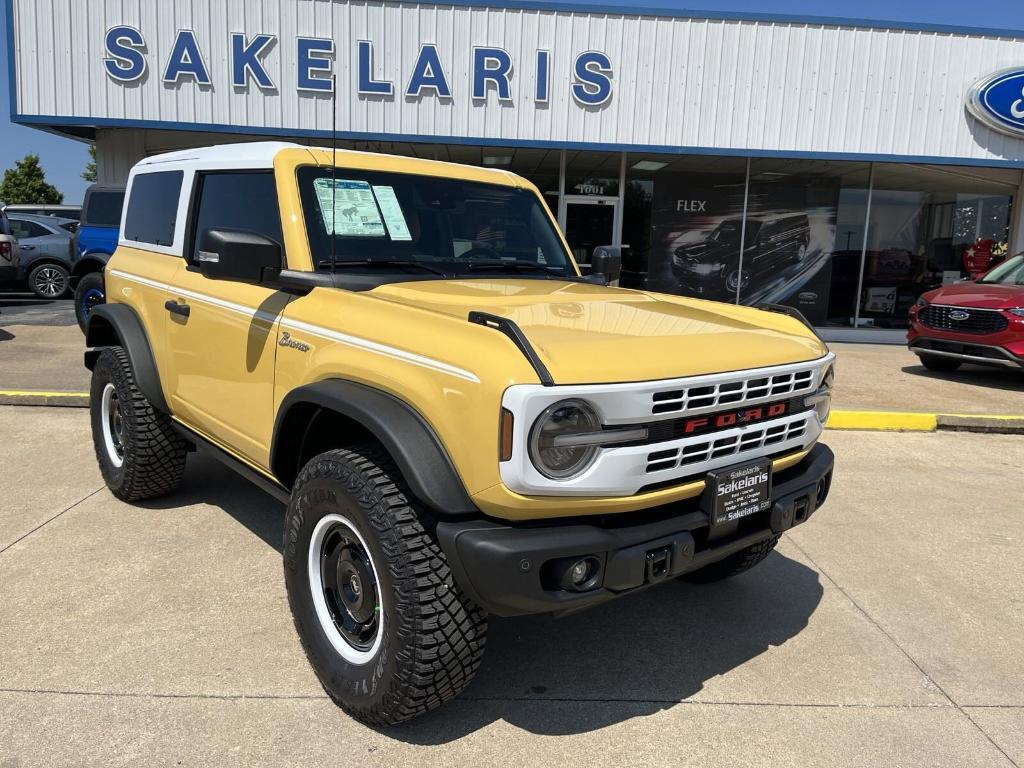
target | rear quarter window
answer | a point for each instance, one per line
(103, 208)
(153, 208)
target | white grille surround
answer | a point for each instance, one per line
(626, 470)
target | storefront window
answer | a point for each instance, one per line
(696, 211)
(930, 226)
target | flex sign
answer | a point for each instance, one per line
(493, 70)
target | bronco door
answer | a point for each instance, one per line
(223, 333)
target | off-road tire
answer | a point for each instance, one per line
(87, 287)
(939, 364)
(433, 636)
(734, 564)
(153, 453)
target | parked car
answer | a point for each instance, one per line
(458, 426)
(60, 211)
(8, 251)
(979, 321)
(46, 251)
(97, 239)
(711, 267)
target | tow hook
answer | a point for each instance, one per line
(659, 564)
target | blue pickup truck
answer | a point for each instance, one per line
(97, 238)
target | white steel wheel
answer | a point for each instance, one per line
(112, 423)
(346, 592)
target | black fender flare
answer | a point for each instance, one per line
(404, 433)
(117, 325)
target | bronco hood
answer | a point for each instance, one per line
(589, 334)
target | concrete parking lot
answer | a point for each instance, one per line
(887, 631)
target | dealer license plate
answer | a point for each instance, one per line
(740, 491)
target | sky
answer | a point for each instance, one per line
(63, 159)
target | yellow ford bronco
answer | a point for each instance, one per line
(460, 423)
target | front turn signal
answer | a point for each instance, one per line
(505, 432)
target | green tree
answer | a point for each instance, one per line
(26, 183)
(89, 174)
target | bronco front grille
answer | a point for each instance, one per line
(962, 319)
(737, 442)
(729, 393)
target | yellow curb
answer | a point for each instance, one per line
(38, 393)
(888, 421)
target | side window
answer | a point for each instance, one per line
(19, 229)
(153, 207)
(236, 200)
(103, 208)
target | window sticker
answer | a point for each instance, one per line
(392, 211)
(355, 212)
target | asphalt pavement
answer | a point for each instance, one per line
(886, 631)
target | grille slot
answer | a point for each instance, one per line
(732, 393)
(727, 445)
(977, 321)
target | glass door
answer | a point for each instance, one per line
(589, 222)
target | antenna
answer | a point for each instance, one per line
(334, 168)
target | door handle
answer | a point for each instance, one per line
(177, 309)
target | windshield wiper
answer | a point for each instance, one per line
(514, 266)
(399, 263)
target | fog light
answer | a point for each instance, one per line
(580, 572)
(574, 574)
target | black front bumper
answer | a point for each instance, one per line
(512, 570)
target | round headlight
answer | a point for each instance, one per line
(552, 449)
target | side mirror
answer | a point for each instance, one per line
(234, 254)
(607, 261)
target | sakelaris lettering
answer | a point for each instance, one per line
(251, 59)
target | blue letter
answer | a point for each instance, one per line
(491, 65)
(593, 85)
(247, 60)
(428, 73)
(126, 62)
(540, 94)
(186, 59)
(313, 54)
(367, 85)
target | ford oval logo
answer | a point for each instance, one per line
(959, 314)
(998, 101)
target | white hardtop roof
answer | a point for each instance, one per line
(254, 154)
(259, 155)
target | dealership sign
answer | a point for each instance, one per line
(998, 101)
(127, 61)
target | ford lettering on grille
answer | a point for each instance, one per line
(715, 421)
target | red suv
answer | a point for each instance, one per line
(980, 321)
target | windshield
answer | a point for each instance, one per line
(1010, 272)
(376, 220)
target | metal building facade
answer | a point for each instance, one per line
(687, 84)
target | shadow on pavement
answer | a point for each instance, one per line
(648, 651)
(991, 378)
(207, 481)
(6, 335)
